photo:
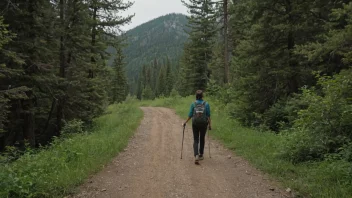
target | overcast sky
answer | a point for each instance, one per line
(147, 10)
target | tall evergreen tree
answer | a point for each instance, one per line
(7, 76)
(202, 31)
(33, 23)
(266, 33)
(217, 64)
(161, 85)
(105, 23)
(119, 84)
(225, 4)
(48, 63)
(169, 78)
(332, 52)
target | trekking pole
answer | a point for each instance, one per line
(183, 136)
(209, 141)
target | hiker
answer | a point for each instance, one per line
(200, 115)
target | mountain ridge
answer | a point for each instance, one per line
(173, 13)
(155, 40)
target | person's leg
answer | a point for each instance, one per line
(203, 131)
(196, 140)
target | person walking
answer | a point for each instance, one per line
(200, 115)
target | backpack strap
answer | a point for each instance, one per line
(194, 109)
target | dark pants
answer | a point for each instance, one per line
(199, 139)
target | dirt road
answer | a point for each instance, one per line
(151, 167)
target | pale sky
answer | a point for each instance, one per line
(147, 10)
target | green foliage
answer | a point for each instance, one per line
(324, 126)
(158, 77)
(174, 94)
(73, 126)
(281, 115)
(277, 46)
(216, 65)
(119, 82)
(198, 51)
(5, 95)
(148, 93)
(58, 169)
(331, 52)
(271, 41)
(162, 88)
(213, 87)
(52, 65)
(170, 78)
(5, 35)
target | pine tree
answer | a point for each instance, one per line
(48, 62)
(155, 68)
(119, 82)
(265, 35)
(31, 55)
(104, 25)
(169, 78)
(217, 64)
(225, 35)
(7, 92)
(148, 93)
(184, 83)
(201, 35)
(332, 53)
(161, 85)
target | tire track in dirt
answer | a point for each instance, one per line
(151, 167)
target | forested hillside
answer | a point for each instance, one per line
(154, 43)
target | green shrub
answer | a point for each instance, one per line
(325, 126)
(174, 93)
(148, 94)
(281, 115)
(241, 111)
(131, 98)
(213, 88)
(73, 126)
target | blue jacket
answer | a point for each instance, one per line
(207, 108)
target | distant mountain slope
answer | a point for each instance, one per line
(157, 39)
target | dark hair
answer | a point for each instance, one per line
(199, 94)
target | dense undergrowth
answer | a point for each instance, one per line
(326, 178)
(56, 170)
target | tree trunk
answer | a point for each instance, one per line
(94, 33)
(53, 105)
(29, 133)
(62, 39)
(59, 112)
(226, 51)
(292, 84)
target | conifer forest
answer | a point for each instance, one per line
(282, 68)
(53, 65)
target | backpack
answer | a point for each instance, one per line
(199, 116)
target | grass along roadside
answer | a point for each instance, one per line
(56, 171)
(326, 179)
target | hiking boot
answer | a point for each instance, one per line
(196, 161)
(201, 157)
